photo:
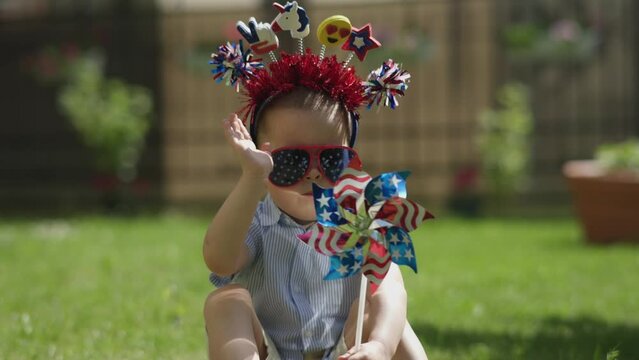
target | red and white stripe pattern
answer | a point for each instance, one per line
(327, 241)
(376, 265)
(403, 213)
(352, 183)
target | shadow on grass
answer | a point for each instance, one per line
(554, 338)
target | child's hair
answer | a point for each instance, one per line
(306, 99)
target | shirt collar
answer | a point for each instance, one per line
(272, 213)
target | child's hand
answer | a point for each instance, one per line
(255, 163)
(372, 350)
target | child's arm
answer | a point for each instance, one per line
(388, 310)
(224, 249)
(386, 319)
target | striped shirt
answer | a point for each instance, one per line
(299, 310)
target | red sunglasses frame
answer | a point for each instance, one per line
(314, 152)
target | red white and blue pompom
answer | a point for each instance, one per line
(234, 65)
(385, 84)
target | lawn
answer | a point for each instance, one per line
(115, 288)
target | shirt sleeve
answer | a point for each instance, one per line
(253, 243)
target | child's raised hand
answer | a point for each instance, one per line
(255, 163)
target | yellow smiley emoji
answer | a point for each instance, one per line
(334, 30)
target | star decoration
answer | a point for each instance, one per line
(343, 269)
(394, 239)
(356, 266)
(409, 255)
(361, 41)
(323, 200)
(326, 215)
(395, 180)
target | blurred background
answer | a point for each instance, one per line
(567, 69)
(112, 156)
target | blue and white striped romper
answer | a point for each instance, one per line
(299, 310)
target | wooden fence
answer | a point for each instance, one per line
(453, 48)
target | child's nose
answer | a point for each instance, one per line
(314, 174)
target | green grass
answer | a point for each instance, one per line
(114, 288)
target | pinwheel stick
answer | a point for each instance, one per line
(360, 312)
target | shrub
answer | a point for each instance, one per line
(504, 141)
(111, 116)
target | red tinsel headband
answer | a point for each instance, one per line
(326, 75)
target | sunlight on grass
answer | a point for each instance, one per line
(522, 289)
(120, 288)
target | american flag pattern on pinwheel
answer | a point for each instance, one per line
(363, 224)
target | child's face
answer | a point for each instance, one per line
(295, 127)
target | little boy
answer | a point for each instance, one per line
(272, 301)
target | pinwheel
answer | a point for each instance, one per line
(363, 224)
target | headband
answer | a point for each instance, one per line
(235, 65)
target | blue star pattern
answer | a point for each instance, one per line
(400, 247)
(346, 263)
(386, 186)
(326, 207)
(289, 166)
(334, 161)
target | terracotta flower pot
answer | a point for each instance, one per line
(607, 204)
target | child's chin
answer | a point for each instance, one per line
(296, 205)
(300, 215)
(304, 208)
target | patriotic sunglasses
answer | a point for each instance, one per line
(292, 163)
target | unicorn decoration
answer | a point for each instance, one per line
(292, 17)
